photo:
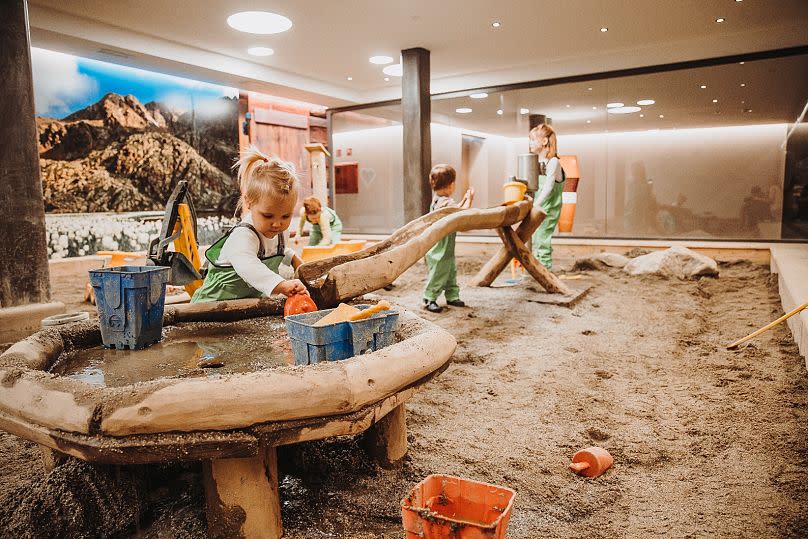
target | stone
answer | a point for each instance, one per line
(612, 260)
(677, 261)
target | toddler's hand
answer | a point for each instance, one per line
(291, 287)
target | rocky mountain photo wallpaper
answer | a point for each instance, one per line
(114, 138)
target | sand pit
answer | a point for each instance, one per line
(706, 442)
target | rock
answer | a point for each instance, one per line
(600, 261)
(677, 261)
(612, 260)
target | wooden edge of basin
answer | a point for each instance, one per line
(235, 401)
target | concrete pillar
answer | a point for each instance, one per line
(416, 112)
(23, 249)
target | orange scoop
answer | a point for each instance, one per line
(591, 462)
(299, 304)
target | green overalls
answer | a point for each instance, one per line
(542, 237)
(316, 235)
(442, 267)
(222, 282)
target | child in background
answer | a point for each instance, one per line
(326, 227)
(244, 262)
(441, 258)
(551, 185)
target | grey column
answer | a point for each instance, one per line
(23, 250)
(416, 111)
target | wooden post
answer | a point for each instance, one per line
(520, 252)
(319, 173)
(242, 496)
(386, 440)
(416, 114)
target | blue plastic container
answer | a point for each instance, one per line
(130, 302)
(339, 341)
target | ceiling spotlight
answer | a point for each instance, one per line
(499, 112)
(715, 100)
(260, 51)
(568, 106)
(380, 60)
(743, 84)
(463, 110)
(496, 24)
(720, 19)
(742, 63)
(386, 79)
(747, 110)
(350, 78)
(646, 102)
(642, 115)
(594, 108)
(393, 70)
(604, 29)
(623, 110)
(614, 105)
(590, 88)
(589, 121)
(479, 95)
(703, 86)
(259, 22)
(661, 115)
(524, 111)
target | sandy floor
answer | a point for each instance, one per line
(706, 442)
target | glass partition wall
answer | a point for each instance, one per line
(707, 152)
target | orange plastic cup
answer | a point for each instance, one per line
(591, 462)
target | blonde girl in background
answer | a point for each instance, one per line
(551, 185)
(244, 262)
(326, 227)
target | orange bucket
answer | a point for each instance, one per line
(447, 507)
(513, 192)
(591, 462)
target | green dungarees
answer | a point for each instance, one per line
(542, 246)
(442, 267)
(316, 235)
(222, 282)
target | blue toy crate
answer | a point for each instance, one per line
(339, 341)
(130, 302)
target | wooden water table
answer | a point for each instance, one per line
(233, 422)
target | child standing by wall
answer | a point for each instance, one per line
(551, 185)
(244, 262)
(326, 227)
(441, 258)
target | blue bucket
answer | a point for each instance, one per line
(339, 341)
(130, 302)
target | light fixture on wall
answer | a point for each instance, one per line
(463, 110)
(259, 22)
(393, 70)
(380, 60)
(260, 51)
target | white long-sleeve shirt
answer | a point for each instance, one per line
(553, 173)
(241, 251)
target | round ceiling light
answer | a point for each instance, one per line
(524, 111)
(479, 95)
(720, 20)
(614, 105)
(260, 51)
(496, 24)
(604, 29)
(623, 110)
(463, 110)
(392, 70)
(499, 112)
(380, 60)
(646, 102)
(259, 22)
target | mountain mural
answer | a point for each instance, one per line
(121, 155)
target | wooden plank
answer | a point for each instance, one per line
(281, 118)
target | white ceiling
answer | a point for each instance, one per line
(331, 40)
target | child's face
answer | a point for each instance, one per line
(313, 217)
(537, 144)
(272, 215)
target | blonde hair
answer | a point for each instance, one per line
(545, 131)
(260, 176)
(312, 205)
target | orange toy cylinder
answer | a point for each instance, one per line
(591, 462)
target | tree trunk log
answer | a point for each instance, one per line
(386, 440)
(545, 278)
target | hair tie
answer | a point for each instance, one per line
(265, 160)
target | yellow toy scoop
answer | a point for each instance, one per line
(370, 311)
(347, 313)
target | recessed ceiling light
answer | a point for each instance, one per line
(496, 24)
(260, 51)
(380, 60)
(720, 19)
(568, 106)
(386, 79)
(703, 86)
(463, 110)
(747, 110)
(742, 63)
(594, 108)
(715, 100)
(479, 95)
(604, 29)
(499, 112)
(661, 115)
(259, 22)
(350, 78)
(590, 89)
(743, 84)
(589, 121)
(642, 115)
(524, 111)
(392, 70)
(623, 110)
(614, 105)
(646, 102)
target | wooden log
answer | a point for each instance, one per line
(519, 250)
(224, 311)
(497, 264)
(386, 440)
(242, 496)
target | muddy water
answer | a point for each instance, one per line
(187, 350)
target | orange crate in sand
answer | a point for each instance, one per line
(447, 507)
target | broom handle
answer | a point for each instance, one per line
(768, 326)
